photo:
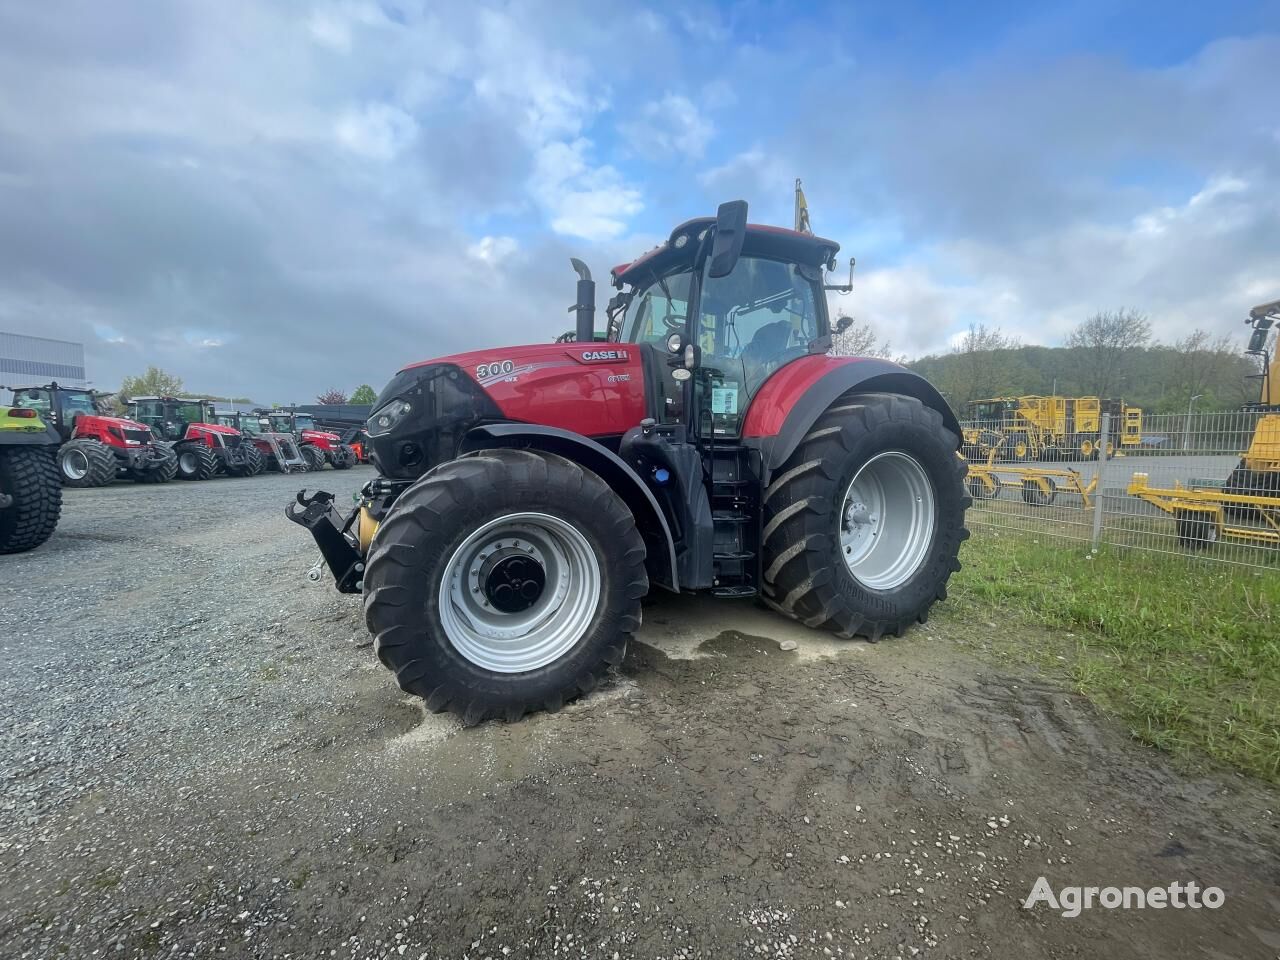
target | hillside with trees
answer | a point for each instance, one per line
(1110, 354)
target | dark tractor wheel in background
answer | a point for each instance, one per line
(980, 491)
(314, 456)
(1196, 531)
(165, 468)
(196, 462)
(252, 465)
(343, 458)
(1033, 495)
(864, 522)
(86, 463)
(31, 478)
(257, 462)
(504, 582)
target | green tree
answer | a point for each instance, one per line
(364, 394)
(1107, 344)
(154, 383)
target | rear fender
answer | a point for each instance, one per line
(606, 464)
(792, 400)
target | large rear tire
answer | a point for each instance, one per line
(86, 463)
(863, 524)
(315, 457)
(30, 476)
(196, 462)
(504, 582)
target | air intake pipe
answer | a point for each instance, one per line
(584, 309)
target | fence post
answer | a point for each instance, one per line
(1103, 439)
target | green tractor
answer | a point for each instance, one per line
(30, 487)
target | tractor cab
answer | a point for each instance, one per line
(995, 413)
(172, 418)
(722, 306)
(58, 406)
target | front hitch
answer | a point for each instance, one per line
(317, 513)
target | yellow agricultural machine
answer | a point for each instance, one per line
(1049, 428)
(1246, 508)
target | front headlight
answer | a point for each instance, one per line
(385, 419)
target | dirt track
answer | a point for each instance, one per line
(203, 758)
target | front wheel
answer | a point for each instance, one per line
(863, 524)
(315, 457)
(504, 582)
(31, 488)
(86, 463)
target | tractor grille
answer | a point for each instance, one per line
(230, 441)
(138, 436)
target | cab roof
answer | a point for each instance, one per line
(761, 240)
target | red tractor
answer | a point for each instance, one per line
(96, 448)
(529, 497)
(318, 445)
(280, 451)
(204, 447)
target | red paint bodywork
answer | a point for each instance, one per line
(104, 430)
(774, 400)
(203, 432)
(562, 384)
(321, 439)
(552, 385)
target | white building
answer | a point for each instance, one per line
(34, 361)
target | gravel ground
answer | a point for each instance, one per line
(201, 757)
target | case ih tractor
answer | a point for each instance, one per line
(279, 451)
(530, 496)
(203, 447)
(318, 446)
(30, 491)
(96, 448)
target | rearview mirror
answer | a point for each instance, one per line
(731, 231)
(843, 324)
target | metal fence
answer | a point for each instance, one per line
(1199, 484)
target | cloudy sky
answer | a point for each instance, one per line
(270, 199)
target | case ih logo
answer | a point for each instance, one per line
(590, 356)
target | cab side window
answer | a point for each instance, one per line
(660, 310)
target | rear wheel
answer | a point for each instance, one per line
(504, 582)
(86, 463)
(1196, 530)
(164, 467)
(314, 456)
(864, 523)
(196, 462)
(30, 479)
(1034, 495)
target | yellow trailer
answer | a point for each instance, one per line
(1205, 516)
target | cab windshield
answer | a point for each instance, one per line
(305, 422)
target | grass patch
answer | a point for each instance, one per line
(1186, 652)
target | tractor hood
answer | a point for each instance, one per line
(592, 389)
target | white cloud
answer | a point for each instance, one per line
(492, 250)
(669, 128)
(581, 200)
(378, 131)
(331, 25)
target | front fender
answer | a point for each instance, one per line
(606, 464)
(791, 401)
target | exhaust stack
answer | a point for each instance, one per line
(585, 307)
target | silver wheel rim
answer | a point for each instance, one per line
(553, 622)
(887, 520)
(75, 465)
(188, 462)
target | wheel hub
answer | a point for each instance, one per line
(515, 582)
(520, 592)
(887, 520)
